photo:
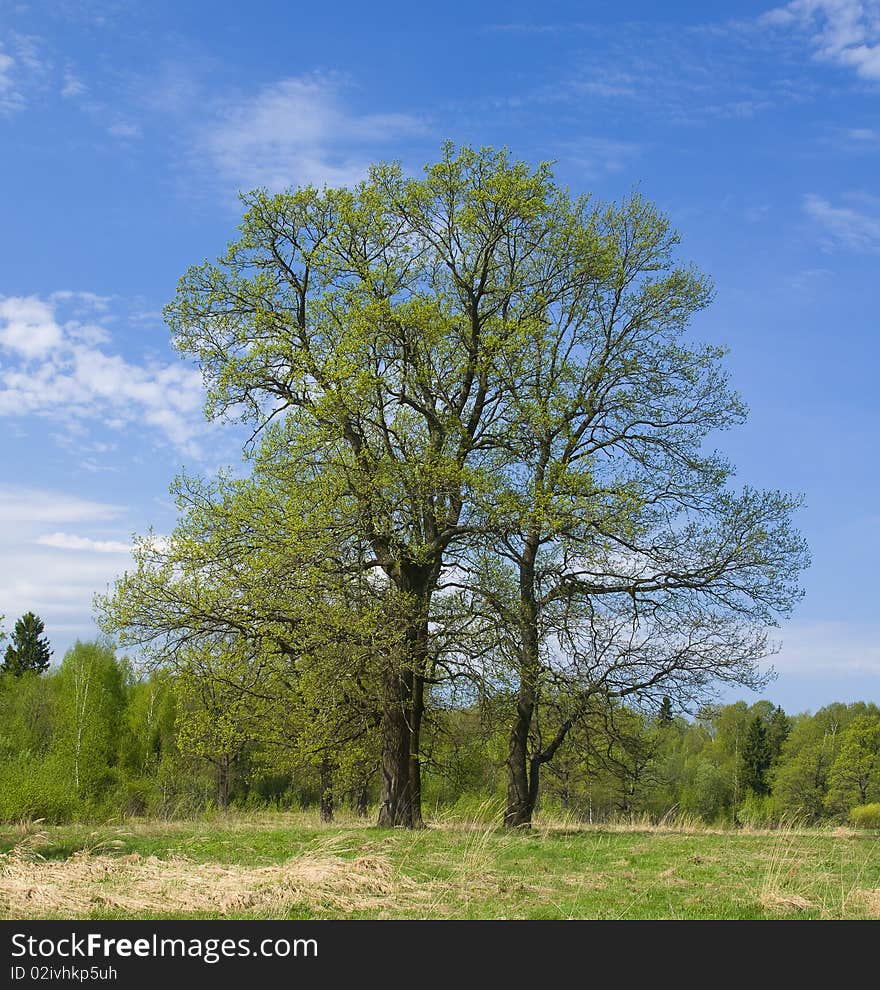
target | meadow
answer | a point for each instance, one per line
(274, 865)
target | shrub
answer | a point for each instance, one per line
(758, 811)
(866, 815)
(36, 788)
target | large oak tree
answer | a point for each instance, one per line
(467, 379)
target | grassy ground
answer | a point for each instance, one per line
(289, 866)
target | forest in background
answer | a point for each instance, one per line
(92, 739)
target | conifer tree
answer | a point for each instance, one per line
(756, 757)
(29, 649)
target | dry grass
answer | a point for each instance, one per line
(135, 885)
(792, 882)
(869, 901)
(290, 865)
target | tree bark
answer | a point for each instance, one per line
(520, 799)
(400, 801)
(326, 790)
(395, 802)
(415, 762)
(223, 781)
(361, 800)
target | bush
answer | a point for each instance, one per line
(866, 815)
(758, 811)
(35, 788)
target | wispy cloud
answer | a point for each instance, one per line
(596, 156)
(23, 70)
(8, 97)
(829, 648)
(34, 505)
(124, 129)
(683, 74)
(72, 86)
(844, 226)
(843, 32)
(63, 369)
(865, 136)
(40, 572)
(69, 541)
(297, 131)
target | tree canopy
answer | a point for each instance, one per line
(477, 462)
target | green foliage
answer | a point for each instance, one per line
(854, 776)
(149, 745)
(758, 811)
(34, 787)
(29, 650)
(756, 757)
(707, 790)
(866, 815)
(89, 689)
(778, 730)
(468, 372)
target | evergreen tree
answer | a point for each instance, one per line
(756, 757)
(778, 729)
(664, 716)
(29, 649)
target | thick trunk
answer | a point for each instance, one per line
(415, 763)
(401, 790)
(326, 791)
(395, 802)
(519, 808)
(520, 797)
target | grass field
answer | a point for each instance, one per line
(290, 866)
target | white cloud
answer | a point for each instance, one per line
(69, 541)
(73, 86)
(124, 129)
(11, 99)
(827, 648)
(6, 65)
(22, 70)
(844, 32)
(597, 155)
(88, 300)
(27, 326)
(844, 225)
(298, 131)
(34, 505)
(41, 574)
(58, 369)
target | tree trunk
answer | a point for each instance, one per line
(326, 791)
(518, 812)
(395, 801)
(400, 802)
(361, 800)
(520, 802)
(415, 763)
(223, 781)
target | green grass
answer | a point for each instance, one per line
(452, 870)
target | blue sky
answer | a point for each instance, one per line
(126, 130)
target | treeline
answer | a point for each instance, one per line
(93, 739)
